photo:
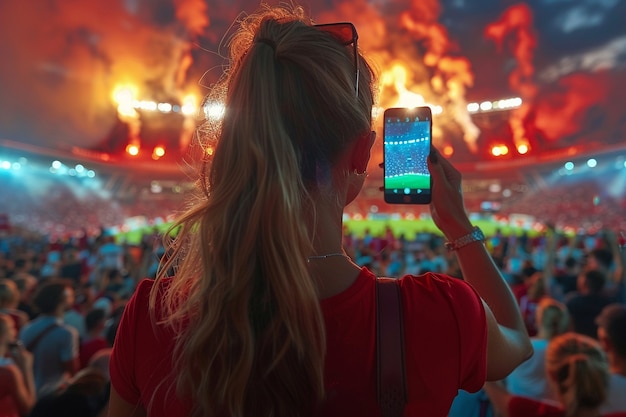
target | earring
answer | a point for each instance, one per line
(360, 174)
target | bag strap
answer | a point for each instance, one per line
(33, 344)
(392, 393)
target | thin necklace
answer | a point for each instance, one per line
(328, 255)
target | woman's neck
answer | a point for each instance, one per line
(335, 273)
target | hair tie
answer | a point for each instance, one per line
(268, 42)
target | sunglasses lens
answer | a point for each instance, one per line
(346, 34)
(343, 32)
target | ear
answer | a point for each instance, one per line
(361, 152)
(605, 341)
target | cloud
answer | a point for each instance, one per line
(605, 57)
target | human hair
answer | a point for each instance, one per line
(5, 324)
(20, 263)
(570, 262)
(594, 280)
(552, 317)
(612, 320)
(579, 367)
(537, 287)
(253, 342)
(113, 273)
(49, 296)
(603, 257)
(94, 317)
(9, 293)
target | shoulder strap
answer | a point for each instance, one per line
(392, 394)
(33, 344)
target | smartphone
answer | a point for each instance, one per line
(407, 134)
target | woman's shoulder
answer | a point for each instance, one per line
(437, 284)
(139, 302)
(9, 374)
(146, 285)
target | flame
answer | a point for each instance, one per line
(516, 24)
(193, 15)
(124, 96)
(396, 76)
(90, 50)
(189, 110)
(417, 62)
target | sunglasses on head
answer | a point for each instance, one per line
(345, 33)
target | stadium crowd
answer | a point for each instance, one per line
(60, 302)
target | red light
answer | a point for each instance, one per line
(499, 150)
(523, 149)
(132, 149)
(158, 152)
(448, 150)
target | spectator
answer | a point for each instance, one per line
(73, 316)
(71, 266)
(94, 340)
(26, 287)
(567, 278)
(578, 368)
(17, 386)
(530, 378)
(588, 302)
(85, 395)
(53, 344)
(267, 315)
(110, 255)
(612, 335)
(9, 300)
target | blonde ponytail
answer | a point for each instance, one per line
(580, 370)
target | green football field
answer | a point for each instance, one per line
(377, 227)
(408, 181)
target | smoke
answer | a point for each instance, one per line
(67, 57)
(450, 73)
(417, 61)
(578, 107)
(514, 30)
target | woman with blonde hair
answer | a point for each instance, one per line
(578, 369)
(265, 314)
(17, 382)
(530, 378)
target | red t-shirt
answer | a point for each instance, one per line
(445, 339)
(89, 348)
(524, 407)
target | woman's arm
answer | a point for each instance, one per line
(508, 343)
(23, 379)
(119, 407)
(499, 397)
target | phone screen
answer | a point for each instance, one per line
(407, 136)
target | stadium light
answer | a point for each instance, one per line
(132, 149)
(499, 150)
(495, 105)
(158, 152)
(523, 149)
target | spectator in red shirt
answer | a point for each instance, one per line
(94, 341)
